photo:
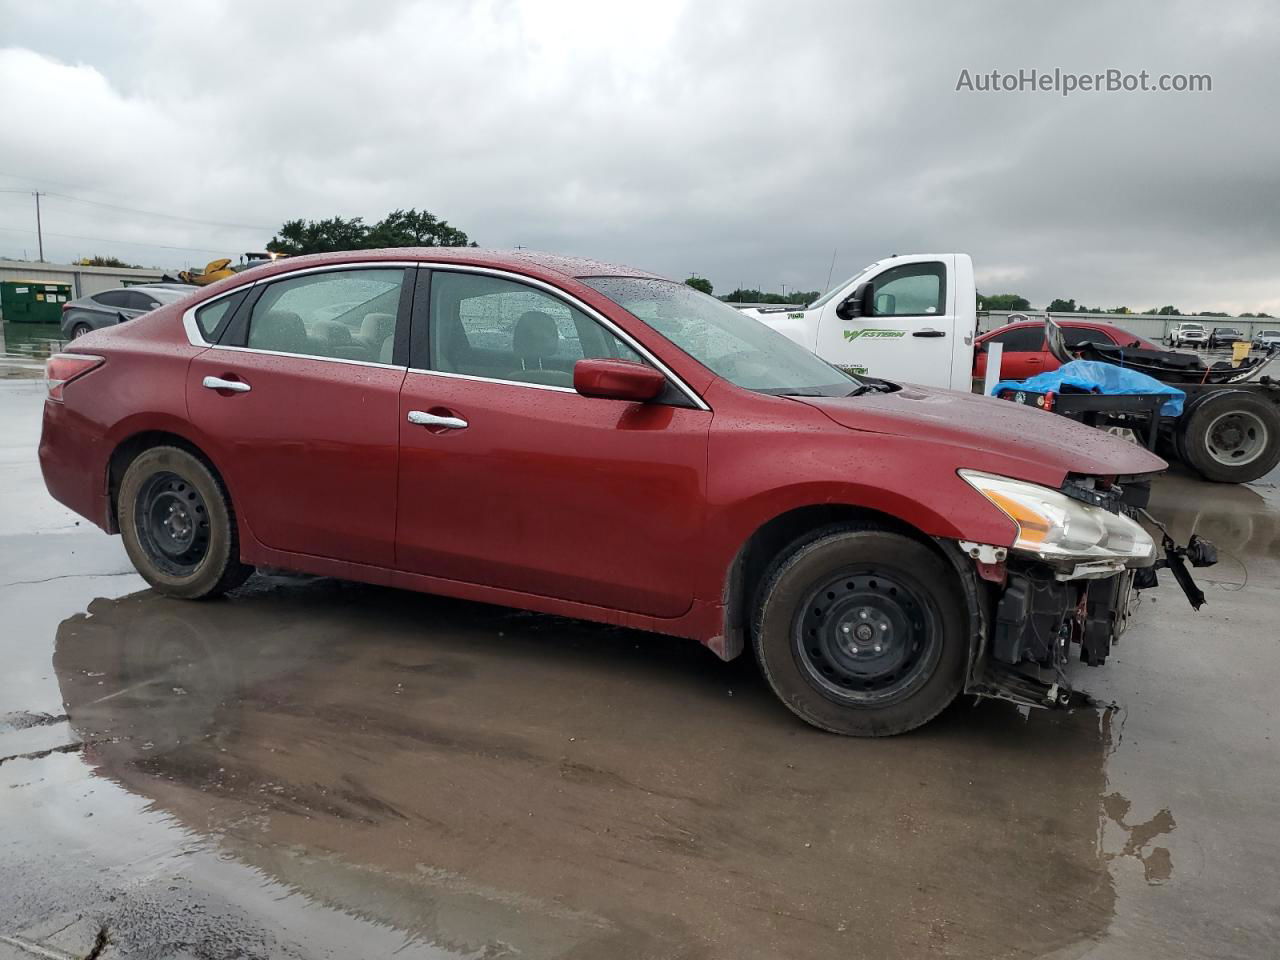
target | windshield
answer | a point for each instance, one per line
(743, 350)
(166, 295)
(821, 301)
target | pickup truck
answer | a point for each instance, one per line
(914, 318)
(910, 318)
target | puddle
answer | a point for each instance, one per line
(485, 782)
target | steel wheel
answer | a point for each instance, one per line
(1236, 437)
(866, 638)
(172, 523)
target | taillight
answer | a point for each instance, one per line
(62, 368)
(66, 306)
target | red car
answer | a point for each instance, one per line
(589, 440)
(1025, 352)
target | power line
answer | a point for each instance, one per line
(147, 213)
(127, 243)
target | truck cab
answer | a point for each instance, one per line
(906, 318)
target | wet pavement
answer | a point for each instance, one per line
(312, 768)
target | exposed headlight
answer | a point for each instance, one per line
(1052, 526)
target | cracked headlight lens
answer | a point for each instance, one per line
(1053, 526)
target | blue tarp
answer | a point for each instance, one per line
(1092, 376)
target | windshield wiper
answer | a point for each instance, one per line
(862, 388)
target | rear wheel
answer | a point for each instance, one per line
(79, 330)
(862, 632)
(178, 525)
(1232, 439)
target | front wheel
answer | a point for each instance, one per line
(178, 525)
(862, 632)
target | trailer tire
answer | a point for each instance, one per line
(1231, 438)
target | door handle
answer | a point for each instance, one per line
(424, 419)
(235, 386)
(928, 333)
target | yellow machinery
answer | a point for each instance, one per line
(216, 270)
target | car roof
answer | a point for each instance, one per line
(531, 262)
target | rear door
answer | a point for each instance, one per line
(911, 332)
(300, 397)
(511, 479)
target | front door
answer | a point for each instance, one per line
(911, 332)
(511, 479)
(301, 404)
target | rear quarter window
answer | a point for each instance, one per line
(212, 317)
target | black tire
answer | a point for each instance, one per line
(1233, 438)
(178, 525)
(79, 330)
(872, 578)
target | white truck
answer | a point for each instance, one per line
(914, 318)
(907, 318)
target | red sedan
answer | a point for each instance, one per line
(1025, 352)
(590, 440)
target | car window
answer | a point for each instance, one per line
(114, 298)
(488, 327)
(210, 317)
(141, 301)
(911, 290)
(340, 314)
(1020, 339)
(1074, 336)
(739, 348)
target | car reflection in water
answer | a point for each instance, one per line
(483, 779)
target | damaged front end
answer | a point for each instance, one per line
(1069, 579)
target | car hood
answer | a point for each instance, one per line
(1008, 432)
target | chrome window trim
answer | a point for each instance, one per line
(576, 304)
(510, 383)
(306, 356)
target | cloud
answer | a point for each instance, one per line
(745, 141)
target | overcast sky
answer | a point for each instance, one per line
(741, 141)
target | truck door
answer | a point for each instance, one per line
(911, 332)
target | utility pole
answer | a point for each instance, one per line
(39, 231)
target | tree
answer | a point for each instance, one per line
(100, 261)
(410, 228)
(1063, 306)
(320, 236)
(400, 228)
(1212, 313)
(1166, 311)
(699, 283)
(1004, 301)
(1259, 315)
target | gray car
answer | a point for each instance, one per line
(115, 306)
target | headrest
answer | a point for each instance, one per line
(278, 330)
(536, 335)
(377, 327)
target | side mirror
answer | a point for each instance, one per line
(121, 316)
(617, 380)
(857, 304)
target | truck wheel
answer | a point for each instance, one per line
(178, 525)
(862, 632)
(1232, 439)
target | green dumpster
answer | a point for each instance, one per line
(30, 301)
